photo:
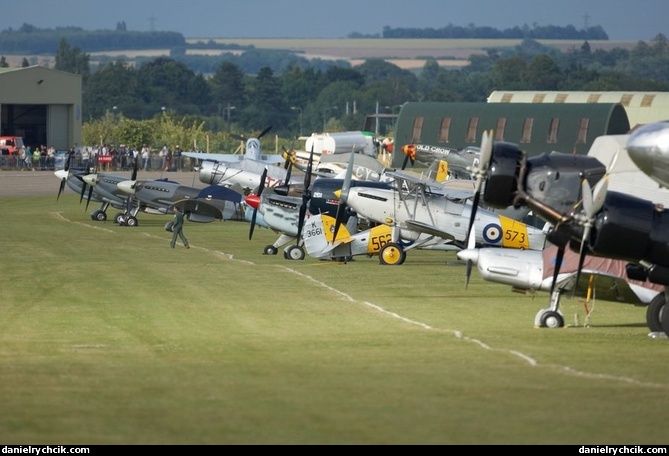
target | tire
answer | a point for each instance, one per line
(392, 254)
(119, 218)
(100, 216)
(295, 252)
(552, 319)
(270, 250)
(131, 221)
(654, 312)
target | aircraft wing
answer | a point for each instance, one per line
(232, 158)
(228, 158)
(221, 193)
(454, 189)
(428, 229)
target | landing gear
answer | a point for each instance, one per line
(99, 215)
(551, 316)
(270, 250)
(294, 252)
(129, 220)
(392, 254)
(655, 312)
(549, 319)
(119, 218)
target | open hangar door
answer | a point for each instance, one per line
(26, 120)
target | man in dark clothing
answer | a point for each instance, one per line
(177, 228)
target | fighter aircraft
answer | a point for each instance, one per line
(600, 222)
(198, 204)
(74, 179)
(242, 170)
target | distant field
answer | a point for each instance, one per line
(405, 53)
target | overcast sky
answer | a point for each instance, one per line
(621, 19)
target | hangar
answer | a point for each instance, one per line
(535, 127)
(42, 105)
(641, 107)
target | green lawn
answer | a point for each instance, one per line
(108, 336)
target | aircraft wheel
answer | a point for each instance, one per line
(551, 319)
(119, 218)
(270, 250)
(664, 320)
(392, 254)
(131, 221)
(100, 216)
(295, 252)
(654, 313)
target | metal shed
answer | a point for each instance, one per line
(42, 105)
(641, 107)
(535, 127)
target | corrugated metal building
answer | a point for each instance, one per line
(535, 127)
(641, 107)
(42, 105)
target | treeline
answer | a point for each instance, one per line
(536, 32)
(300, 100)
(32, 40)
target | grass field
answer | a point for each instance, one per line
(108, 336)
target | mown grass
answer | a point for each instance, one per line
(108, 336)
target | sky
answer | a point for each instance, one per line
(621, 19)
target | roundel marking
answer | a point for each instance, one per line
(492, 233)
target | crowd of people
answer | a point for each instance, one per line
(107, 157)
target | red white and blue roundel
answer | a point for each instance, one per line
(492, 233)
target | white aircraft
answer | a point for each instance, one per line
(623, 218)
(241, 170)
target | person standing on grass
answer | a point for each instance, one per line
(178, 227)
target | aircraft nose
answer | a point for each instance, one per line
(469, 255)
(61, 174)
(90, 179)
(126, 186)
(252, 200)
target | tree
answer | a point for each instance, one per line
(72, 60)
(228, 90)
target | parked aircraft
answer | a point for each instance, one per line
(284, 208)
(601, 222)
(241, 170)
(423, 213)
(458, 163)
(198, 204)
(319, 241)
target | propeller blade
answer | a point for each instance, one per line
(238, 137)
(479, 173)
(343, 197)
(471, 244)
(62, 187)
(558, 265)
(306, 195)
(264, 132)
(90, 194)
(261, 187)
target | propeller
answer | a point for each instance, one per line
(409, 154)
(471, 244)
(90, 188)
(306, 195)
(256, 203)
(593, 200)
(343, 196)
(133, 178)
(64, 175)
(479, 173)
(243, 138)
